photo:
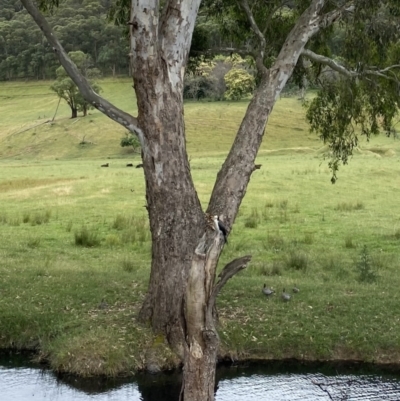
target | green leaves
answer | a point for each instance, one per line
(66, 88)
(239, 83)
(130, 140)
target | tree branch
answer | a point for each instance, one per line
(273, 13)
(119, 116)
(329, 62)
(228, 272)
(174, 42)
(329, 18)
(348, 73)
(260, 56)
(234, 176)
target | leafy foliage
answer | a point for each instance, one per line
(239, 83)
(130, 140)
(211, 77)
(66, 88)
(365, 42)
(79, 26)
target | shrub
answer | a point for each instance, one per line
(297, 260)
(112, 240)
(349, 206)
(239, 83)
(199, 87)
(120, 222)
(86, 238)
(275, 242)
(127, 265)
(252, 220)
(308, 238)
(348, 242)
(69, 226)
(364, 266)
(33, 242)
(3, 218)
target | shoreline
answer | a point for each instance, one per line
(33, 358)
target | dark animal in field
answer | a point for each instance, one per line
(105, 165)
(129, 165)
(103, 304)
(139, 165)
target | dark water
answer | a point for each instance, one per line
(21, 380)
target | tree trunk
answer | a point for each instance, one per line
(74, 112)
(181, 294)
(175, 214)
(202, 340)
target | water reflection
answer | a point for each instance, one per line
(21, 380)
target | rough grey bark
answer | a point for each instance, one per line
(202, 340)
(185, 252)
(159, 46)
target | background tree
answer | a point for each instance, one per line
(24, 53)
(185, 249)
(131, 140)
(66, 88)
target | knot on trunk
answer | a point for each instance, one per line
(210, 336)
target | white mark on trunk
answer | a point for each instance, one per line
(196, 350)
(159, 172)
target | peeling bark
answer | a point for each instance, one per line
(182, 292)
(202, 340)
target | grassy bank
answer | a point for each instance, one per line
(75, 249)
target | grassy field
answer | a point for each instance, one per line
(75, 245)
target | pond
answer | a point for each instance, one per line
(22, 380)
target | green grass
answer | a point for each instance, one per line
(338, 243)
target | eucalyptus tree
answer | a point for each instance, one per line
(22, 50)
(279, 34)
(66, 89)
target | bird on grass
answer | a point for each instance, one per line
(103, 304)
(296, 289)
(267, 291)
(285, 296)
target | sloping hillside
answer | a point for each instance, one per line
(27, 128)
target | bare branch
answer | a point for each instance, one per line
(350, 74)
(334, 15)
(329, 62)
(272, 13)
(228, 272)
(390, 67)
(259, 56)
(119, 116)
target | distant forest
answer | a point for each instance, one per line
(79, 25)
